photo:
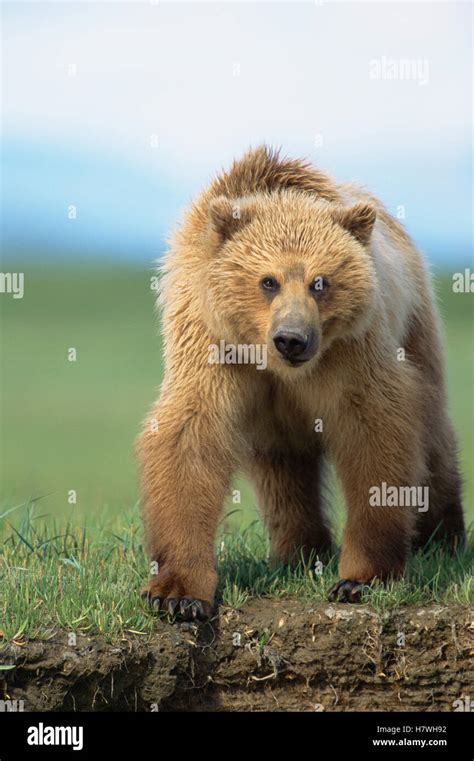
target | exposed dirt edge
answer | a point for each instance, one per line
(272, 655)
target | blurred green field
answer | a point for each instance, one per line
(71, 425)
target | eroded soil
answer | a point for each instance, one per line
(274, 655)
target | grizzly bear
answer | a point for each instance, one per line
(276, 254)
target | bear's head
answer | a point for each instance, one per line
(289, 271)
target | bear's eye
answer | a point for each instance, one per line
(319, 285)
(269, 284)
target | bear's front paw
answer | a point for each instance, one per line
(346, 590)
(169, 598)
(186, 608)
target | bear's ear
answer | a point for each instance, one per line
(358, 220)
(229, 215)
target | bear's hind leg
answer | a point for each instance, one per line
(288, 487)
(444, 520)
(378, 452)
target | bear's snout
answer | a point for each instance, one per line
(295, 345)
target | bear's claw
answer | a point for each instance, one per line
(346, 590)
(186, 608)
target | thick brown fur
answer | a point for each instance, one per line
(383, 416)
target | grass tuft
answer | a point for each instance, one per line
(87, 581)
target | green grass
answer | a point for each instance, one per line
(87, 580)
(71, 426)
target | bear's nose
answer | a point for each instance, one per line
(291, 343)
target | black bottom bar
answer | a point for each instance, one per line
(130, 735)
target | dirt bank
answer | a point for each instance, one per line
(272, 655)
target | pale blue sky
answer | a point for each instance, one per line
(210, 79)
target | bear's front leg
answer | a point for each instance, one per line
(377, 443)
(186, 468)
